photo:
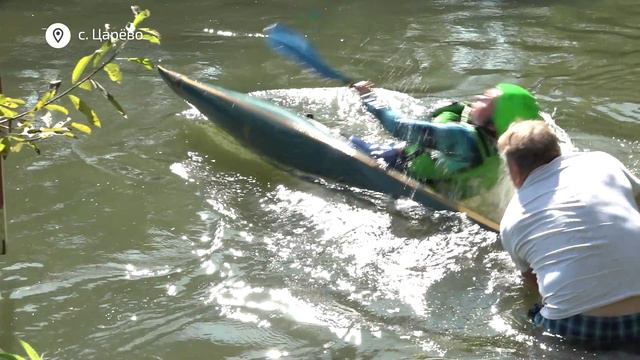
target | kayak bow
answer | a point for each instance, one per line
(299, 142)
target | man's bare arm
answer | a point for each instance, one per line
(531, 280)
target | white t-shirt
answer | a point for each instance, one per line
(576, 224)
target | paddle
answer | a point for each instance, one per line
(290, 43)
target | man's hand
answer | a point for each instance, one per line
(363, 87)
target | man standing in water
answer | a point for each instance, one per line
(454, 150)
(573, 230)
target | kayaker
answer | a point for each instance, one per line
(455, 148)
(573, 230)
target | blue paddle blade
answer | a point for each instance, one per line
(293, 45)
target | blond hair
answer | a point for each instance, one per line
(529, 144)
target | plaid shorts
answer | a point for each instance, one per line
(591, 330)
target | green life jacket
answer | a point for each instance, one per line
(459, 184)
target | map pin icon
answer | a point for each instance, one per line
(57, 34)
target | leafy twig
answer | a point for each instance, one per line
(73, 87)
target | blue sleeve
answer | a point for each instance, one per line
(456, 143)
(409, 130)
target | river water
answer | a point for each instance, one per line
(159, 238)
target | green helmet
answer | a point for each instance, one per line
(515, 103)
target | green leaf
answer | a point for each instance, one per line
(114, 72)
(142, 61)
(10, 102)
(7, 112)
(17, 147)
(7, 356)
(34, 147)
(58, 108)
(116, 105)
(84, 108)
(9, 105)
(45, 133)
(58, 130)
(33, 355)
(140, 17)
(80, 66)
(4, 143)
(150, 35)
(150, 31)
(99, 54)
(86, 85)
(82, 127)
(44, 99)
(110, 98)
(151, 38)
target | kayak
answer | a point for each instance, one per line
(306, 145)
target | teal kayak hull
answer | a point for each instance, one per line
(303, 144)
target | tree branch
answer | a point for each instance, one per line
(65, 92)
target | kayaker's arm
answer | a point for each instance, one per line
(410, 130)
(400, 128)
(405, 129)
(456, 142)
